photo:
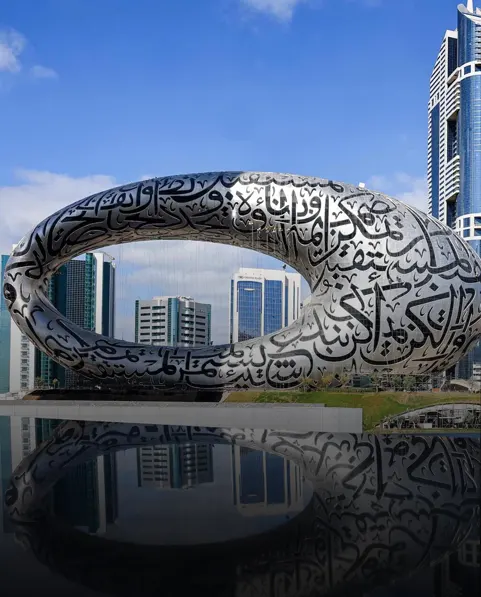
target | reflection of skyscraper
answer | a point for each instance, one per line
(262, 301)
(5, 469)
(175, 466)
(87, 496)
(265, 483)
(83, 291)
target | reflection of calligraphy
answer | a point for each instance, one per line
(379, 503)
(393, 289)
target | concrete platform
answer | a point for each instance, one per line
(292, 417)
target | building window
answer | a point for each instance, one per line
(465, 233)
(467, 69)
(272, 306)
(465, 222)
(249, 307)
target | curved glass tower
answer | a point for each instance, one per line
(454, 141)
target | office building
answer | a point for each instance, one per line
(173, 321)
(180, 466)
(84, 291)
(262, 301)
(17, 353)
(454, 137)
(22, 361)
(265, 484)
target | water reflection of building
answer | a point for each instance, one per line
(87, 496)
(175, 466)
(5, 468)
(265, 483)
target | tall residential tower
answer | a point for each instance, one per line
(262, 301)
(454, 141)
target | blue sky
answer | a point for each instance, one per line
(98, 92)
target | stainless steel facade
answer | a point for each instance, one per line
(392, 288)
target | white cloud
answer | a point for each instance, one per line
(410, 189)
(281, 9)
(43, 72)
(145, 269)
(12, 44)
(38, 195)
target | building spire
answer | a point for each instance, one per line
(470, 5)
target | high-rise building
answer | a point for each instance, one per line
(172, 321)
(264, 483)
(175, 466)
(454, 137)
(454, 144)
(17, 353)
(262, 301)
(22, 361)
(5, 326)
(84, 291)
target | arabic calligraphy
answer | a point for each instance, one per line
(392, 288)
(382, 507)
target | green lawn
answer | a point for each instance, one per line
(375, 405)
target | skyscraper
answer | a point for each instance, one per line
(5, 327)
(454, 143)
(172, 321)
(84, 291)
(175, 466)
(454, 137)
(262, 301)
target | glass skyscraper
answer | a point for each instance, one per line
(454, 141)
(262, 301)
(84, 291)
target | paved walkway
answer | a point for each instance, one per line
(292, 417)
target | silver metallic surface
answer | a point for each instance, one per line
(393, 289)
(382, 507)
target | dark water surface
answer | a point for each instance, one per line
(118, 509)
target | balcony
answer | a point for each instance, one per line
(452, 179)
(453, 102)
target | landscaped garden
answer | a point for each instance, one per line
(376, 405)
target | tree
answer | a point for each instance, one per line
(307, 384)
(325, 381)
(39, 383)
(344, 378)
(55, 382)
(375, 380)
(409, 383)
